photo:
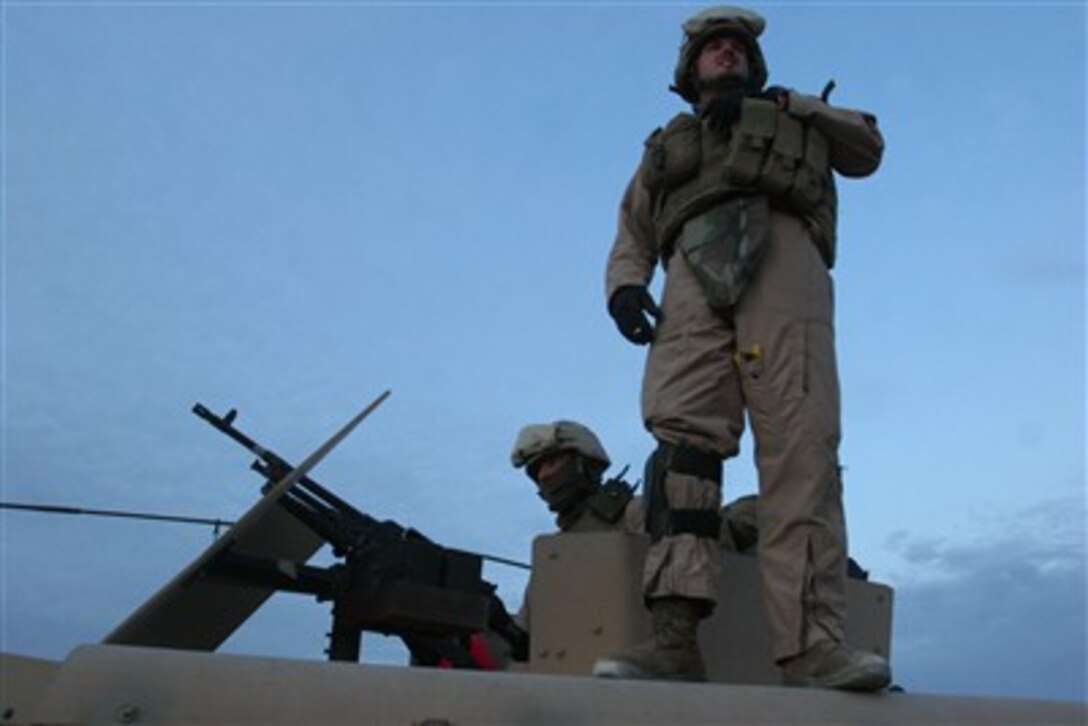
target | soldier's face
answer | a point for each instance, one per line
(550, 465)
(720, 57)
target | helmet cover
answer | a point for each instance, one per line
(537, 440)
(715, 22)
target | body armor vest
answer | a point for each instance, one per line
(689, 169)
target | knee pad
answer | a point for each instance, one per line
(661, 518)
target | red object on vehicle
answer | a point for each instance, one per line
(479, 652)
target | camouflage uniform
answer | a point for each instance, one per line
(769, 354)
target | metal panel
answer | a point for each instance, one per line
(23, 682)
(111, 684)
(586, 600)
(736, 640)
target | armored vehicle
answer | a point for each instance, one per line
(160, 664)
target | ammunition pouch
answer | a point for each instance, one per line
(672, 154)
(689, 170)
(661, 518)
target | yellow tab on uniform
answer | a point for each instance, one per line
(748, 356)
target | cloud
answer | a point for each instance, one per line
(1002, 616)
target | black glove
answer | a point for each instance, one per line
(774, 93)
(628, 307)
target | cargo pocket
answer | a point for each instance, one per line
(780, 371)
(796, 379)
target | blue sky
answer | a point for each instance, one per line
(290, 207)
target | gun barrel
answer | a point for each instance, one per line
(225, 424)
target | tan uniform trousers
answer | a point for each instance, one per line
(773, 357)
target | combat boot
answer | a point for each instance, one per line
(830, 664)
(671, 653)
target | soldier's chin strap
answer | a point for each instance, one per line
(661, 518)
(565, 488)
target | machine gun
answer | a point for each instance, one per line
(391, 580)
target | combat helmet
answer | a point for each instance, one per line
(566, 489)
(538, 440)
(713, 23)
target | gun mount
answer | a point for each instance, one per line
(388, 579)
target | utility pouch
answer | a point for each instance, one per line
(723, 247)
(785, 158)
(671, 154)
(752, 136)
(808, 187)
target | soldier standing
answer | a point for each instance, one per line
(737, 201)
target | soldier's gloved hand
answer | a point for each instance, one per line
(777, 94)
(628, 307)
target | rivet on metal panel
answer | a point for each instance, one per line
(598, 630)
(126, 713)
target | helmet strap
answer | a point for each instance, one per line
(568, 486)
(726, 85)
